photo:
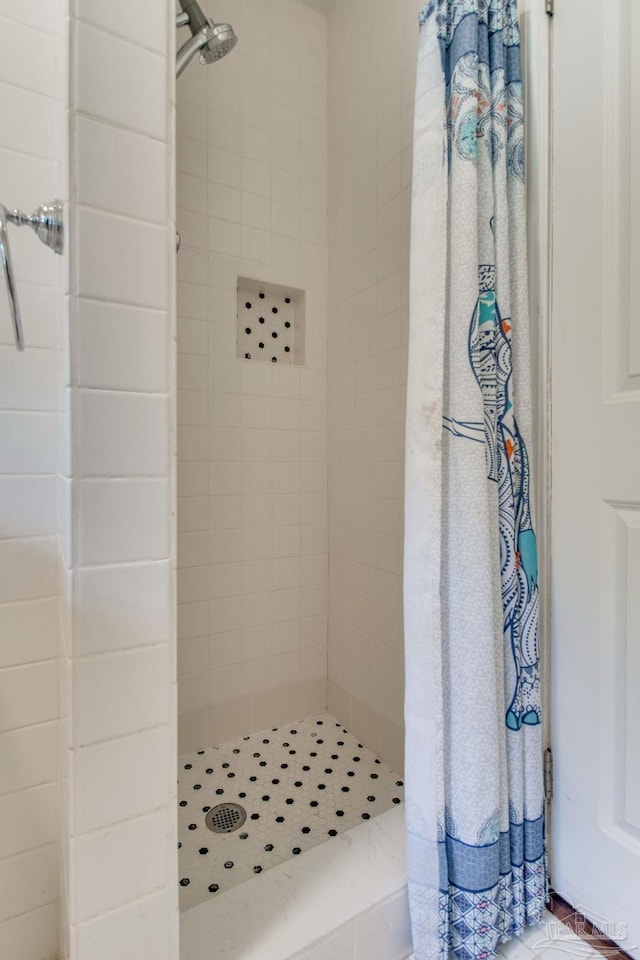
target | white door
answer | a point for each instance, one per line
(596, 462)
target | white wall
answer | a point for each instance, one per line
(32, 138)
(121, 853)
(372, 60)
(252, 507)
(87, 659)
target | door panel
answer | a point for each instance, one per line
(596, 460)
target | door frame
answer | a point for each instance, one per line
(537, 39)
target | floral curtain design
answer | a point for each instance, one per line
(475, 796)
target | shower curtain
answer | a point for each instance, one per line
(474, 772)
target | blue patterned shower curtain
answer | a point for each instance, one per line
(475, 797)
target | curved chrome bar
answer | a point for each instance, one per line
(5, 256)
(188, 49)
(48, 225)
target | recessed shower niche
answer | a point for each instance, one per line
(270, 324)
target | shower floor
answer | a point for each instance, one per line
(300, 783)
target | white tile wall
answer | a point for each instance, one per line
(252, 508)
(31, 171)
(371, 89)
(118, 487)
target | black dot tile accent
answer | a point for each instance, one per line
(275, 320)
(343, 775)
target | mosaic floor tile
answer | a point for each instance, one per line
(300, 784)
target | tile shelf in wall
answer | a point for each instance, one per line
(270, 322)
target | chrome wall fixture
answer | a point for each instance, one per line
(48, 223)
(211, 40)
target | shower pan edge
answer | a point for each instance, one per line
(302, 902)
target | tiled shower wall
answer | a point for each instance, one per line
(117, 486)
(32, 134)
(373, 45)
(252, 440)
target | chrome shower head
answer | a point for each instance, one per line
(212, 40)
(222, 41)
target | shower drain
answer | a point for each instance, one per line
(226, 817)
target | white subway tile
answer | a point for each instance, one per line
(120, 82)
(38, 302)
(122, 520)
(34, 137)
(27, 506)
(121, 347)
(121, 260)
(32, 934)
(140, 23)
(29, 632)
(28, 819)
(118, 865)
(119, 607)
(28, 442)
(121, 434)
(120, 779)
(28, 569)
(121, 172)
(40, 14)
(136, 680)
(28, 695)
(28, 881)
(148, 928)
(28, 757)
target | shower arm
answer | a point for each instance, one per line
(182, 20)
(187, 50)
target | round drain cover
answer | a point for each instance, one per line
(226, 817)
